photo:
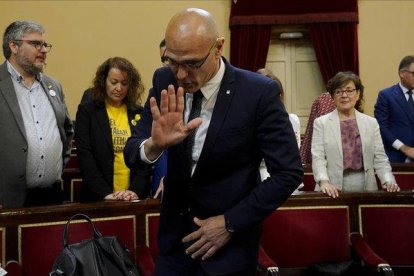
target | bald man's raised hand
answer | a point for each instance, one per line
(168, 127)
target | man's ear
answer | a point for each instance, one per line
(13, 46)
(219, 47)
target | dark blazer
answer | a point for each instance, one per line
(13, 146)
(395, 121)
(249, 122)
(96, 155)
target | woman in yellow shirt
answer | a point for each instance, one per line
(104, 120)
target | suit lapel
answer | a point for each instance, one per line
(103, 122)
(224, 98)
(51, 94)
(335, 128)
(403, 103)
(9, 94)
(362, 128)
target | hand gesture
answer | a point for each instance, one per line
(168, 127)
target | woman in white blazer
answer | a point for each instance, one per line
(347, 149)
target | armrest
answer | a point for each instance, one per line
(266, 263)
(369, 256)
(13, 268)
(145, 262)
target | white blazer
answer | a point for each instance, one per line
(327, 155)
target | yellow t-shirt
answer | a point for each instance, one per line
(118, 120)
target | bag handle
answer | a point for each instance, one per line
(96, 233)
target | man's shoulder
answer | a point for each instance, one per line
(390, 90)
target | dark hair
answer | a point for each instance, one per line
(135, 86)
(405, 62)
(162, 43)
(16, 31)
(266, 72)
(341, 79)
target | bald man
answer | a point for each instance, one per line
(214, 201)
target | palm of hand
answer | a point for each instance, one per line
(169, 129)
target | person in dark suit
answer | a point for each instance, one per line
(104, 120)
(213, 201)
(394, 111)
(35, 124)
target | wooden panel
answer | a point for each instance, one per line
(41, 243)
(2, 247)
(76, 190)
(151, 232)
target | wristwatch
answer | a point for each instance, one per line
(229, 227)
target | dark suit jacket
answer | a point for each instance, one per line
(96, 155)
(249, 122)
(395, 121)
(13, 147)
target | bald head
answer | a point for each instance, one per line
(191, 26)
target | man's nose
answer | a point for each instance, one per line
(181, 72)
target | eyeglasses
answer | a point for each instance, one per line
(187, 65)
(411, 72)
(37, 44)
(349, 92)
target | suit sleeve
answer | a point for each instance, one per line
(142, 130)
(319, 162)
(381, 163)
(382, 114)
(277, 144)
(91, 173)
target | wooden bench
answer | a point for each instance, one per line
(403, 172)
(11, 219)
(147, 254)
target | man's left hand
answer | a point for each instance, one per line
(209, 238)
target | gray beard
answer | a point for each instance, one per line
(29, 67)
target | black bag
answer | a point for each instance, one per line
(100, 256)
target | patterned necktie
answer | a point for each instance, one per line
(410, 102)
(194, 113)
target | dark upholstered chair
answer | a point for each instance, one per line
(41, 243)
(386, 237)
(294, 238)
(147, 254)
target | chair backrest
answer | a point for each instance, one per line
(300, 236)
(388, 230)
(151, 232)
(405, 180)
(2, 246)
(41, 243)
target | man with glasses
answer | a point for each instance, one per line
(394, 112)
(34, 121)
(217, 122)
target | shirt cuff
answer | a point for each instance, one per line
(397, 144)
(144, 157)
